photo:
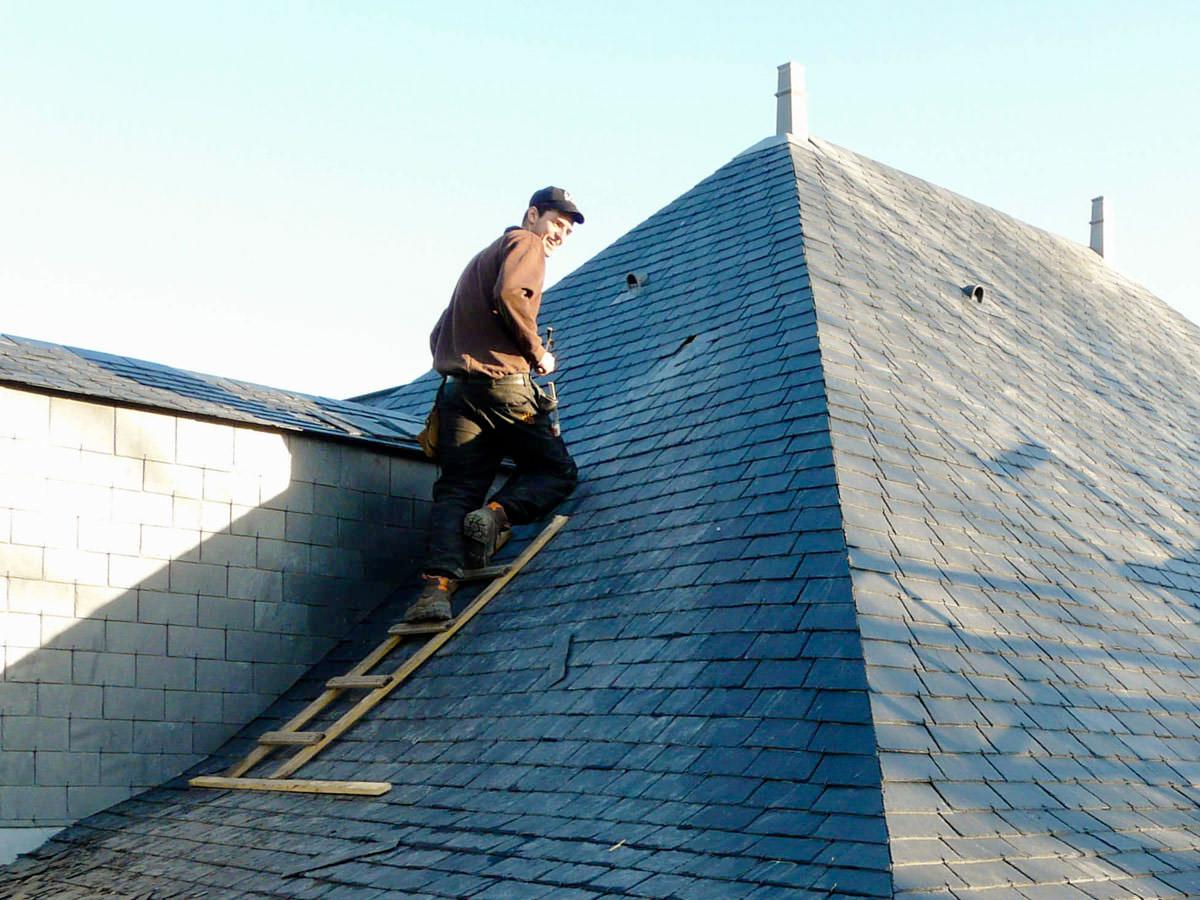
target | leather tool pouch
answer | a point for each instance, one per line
(545, 403)
(428, 436)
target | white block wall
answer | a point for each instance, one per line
(163, 579)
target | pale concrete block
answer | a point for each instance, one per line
(176, 673)
(142, 507)
(225, 612)
(59, 701)
(253, 646)
(107, 669)
(105, 602)
(21, 562)
(16, 769)
(315, 460)
(109, 735)
(255, 584)
(78, 499)
(133, 703)
(72, 634)
(229, 549)
(193, 706)
(282, 556)
(77, 566)
(110, 471)
(51, 598)
(411, 478)
(44, 529)
(163, 608)
(337, 562)
(24, 414)
(134, 571)
(267, 523)
(297, 497)
(63, 464)
(199, 643)
(365, 470)
(197, 578)
(22, 629)
(163, 737)
(174, 480)
(323, 530)
(135, 637)
(35, 733)
(84, 801)
(343, 503)
(204, 444)
(282, 618)
(35, 805)
(41, 664)
(245, 488)
(107, 536)
(6, 525)
(261, 452)
(298, 527)
(223, 676)
(145, 435)
(215, 516)
(17, 700)
(60, 768)
(76, 423)
(218, 486)
(159, 542)
(21, 488)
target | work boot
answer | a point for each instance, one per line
(433, 603)
(486, 531)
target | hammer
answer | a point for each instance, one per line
(551, 390)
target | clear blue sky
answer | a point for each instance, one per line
(285, 192)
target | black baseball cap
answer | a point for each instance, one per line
(557, 198)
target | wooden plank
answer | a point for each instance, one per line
(487, 573)
(406, 629)
(414, 662)
(349, 682)
(293, 785)
(302, 718)
(290, 738)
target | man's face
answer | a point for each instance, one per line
(551, 226)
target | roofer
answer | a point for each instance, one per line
(485, 344)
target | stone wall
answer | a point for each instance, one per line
(163, 579)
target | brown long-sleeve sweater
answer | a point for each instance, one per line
(490, 326)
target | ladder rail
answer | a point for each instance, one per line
(414, 662)
(234, 775)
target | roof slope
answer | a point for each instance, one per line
(1019, 485)
(710, 735)
(867, 588)
(121, 379)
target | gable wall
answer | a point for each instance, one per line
(164, 579)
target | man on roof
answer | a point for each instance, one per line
(486, 345)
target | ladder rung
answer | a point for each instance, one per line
(291, 738)
(486, 573)
(359, 681)
(403, 628)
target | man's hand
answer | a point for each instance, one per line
(546, 366)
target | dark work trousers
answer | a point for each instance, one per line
(480, 423)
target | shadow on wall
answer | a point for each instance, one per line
(165, 580)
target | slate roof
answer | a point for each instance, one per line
(868, 589)
(94, 375)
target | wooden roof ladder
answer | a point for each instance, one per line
(361, 677)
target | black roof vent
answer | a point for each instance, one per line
(974, 291)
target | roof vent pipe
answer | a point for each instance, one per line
(791, 103)
(974, 291)
(636, 280)
(1099, 232)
